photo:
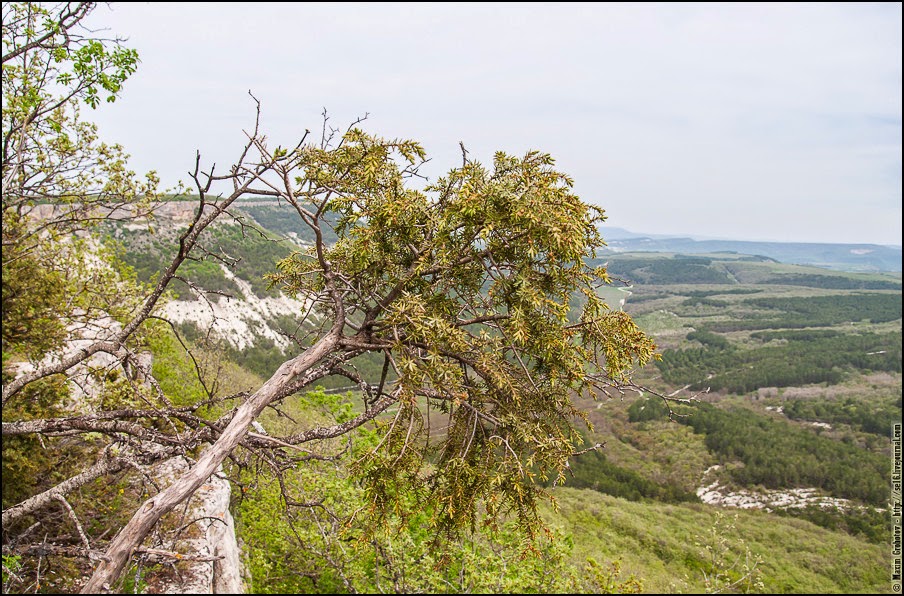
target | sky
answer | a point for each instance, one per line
(770, 122)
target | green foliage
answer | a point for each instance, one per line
(281, 220)
(817, 311)
(720, 292)
(253, 253)
(593, 470)
(33, 295)
(802, 335)
(709, 340)
(656, 542)
(326, 548)
(832, 282)
(819, 358)
(723, 269)
(838, 309)
(871, 416)
(869, 523)
(174, 370)
(245, 252)
(27, 462)
(204, 274)
(73, 67)
(704, 302)
(142, 250)
(608, 580)
(659, 270)
(638, 298)
(725, 569)
(468, 288)
(50, 154)
(777, 454)
(648, 408)
(309, 553)
(11, 564)
(52, 158)
(262, 358)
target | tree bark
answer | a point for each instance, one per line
(114, 562)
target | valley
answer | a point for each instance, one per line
(793, 375)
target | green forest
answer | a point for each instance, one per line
(721, 366)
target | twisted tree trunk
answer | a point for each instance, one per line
(114, 561)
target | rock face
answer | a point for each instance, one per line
(212, 535)
(242, 321)
(717, 494)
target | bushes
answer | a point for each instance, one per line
(280, 219)
(871, 524)
(683, 270)
(247, 254)
(778, 455)
(832, 282)
(823, 358)
(645, 409)
(870, 417)
(876, 308)
(709, 340)
(815, 311)
(593, 470)
(329, 544)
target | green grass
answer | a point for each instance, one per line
(661, 544)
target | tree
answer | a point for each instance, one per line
(463, 288)
(57, 177)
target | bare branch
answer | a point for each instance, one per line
(74, 518)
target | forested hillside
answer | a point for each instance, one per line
(316, 370)
(802, 385)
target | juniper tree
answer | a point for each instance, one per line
(475, 291)
(465, 289)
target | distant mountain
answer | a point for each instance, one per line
(842, 257)
(614, 233)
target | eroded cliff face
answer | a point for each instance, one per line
(176, 211)
(240, 320)
(244, 317)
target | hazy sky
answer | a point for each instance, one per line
(755, 121)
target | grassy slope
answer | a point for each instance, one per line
(656, 541)
(663, 545)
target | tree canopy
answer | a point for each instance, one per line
(474, 290)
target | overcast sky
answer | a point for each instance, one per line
(751, 122)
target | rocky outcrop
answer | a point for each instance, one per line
(718, 494)
(242, 321)
(210, 535)
(171, 210)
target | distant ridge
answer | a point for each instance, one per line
(841, 257)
